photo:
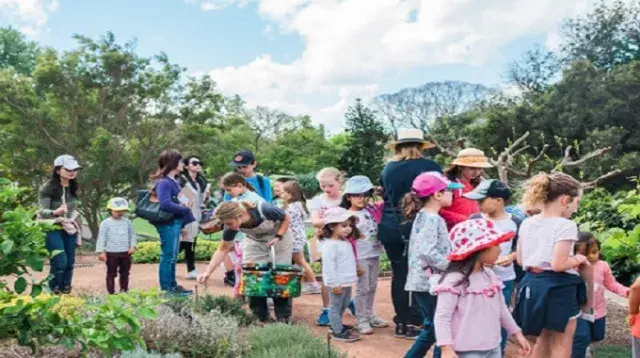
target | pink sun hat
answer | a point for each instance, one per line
(429, 183)
(475, 235)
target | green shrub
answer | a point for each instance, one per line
(141, 353)
(309, 183)
(193, 334)
(149, 251)
(612, 351)
(280, 340)
(225, 305)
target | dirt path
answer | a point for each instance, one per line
(90, 278)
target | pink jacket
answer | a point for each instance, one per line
(603, 279)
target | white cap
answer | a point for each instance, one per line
(66, 161)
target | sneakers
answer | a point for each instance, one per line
(364, 328)
(311, 289)
(193, 275)
(352, 308)
(406, 331)
(323, 320)
(377, 322)
(230, 278)
(346, 336)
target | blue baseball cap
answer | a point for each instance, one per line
(358, 184)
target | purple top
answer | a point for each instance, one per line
(167, 190)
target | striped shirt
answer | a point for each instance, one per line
(116, 235)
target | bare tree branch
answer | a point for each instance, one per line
(597, 181)
(567, 162)
(444, 150)
(536, 159)
(505, 159)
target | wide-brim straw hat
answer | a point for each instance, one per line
(410, 136)
(472, 158)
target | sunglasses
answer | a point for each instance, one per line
(197, 163)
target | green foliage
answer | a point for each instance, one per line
(193, 334)
(606, 351)
(109, 326)
(21, 241)
(309, 183)
(226, 305)
(149, 251)
(141, 353)
(16, 52)
(599, 211)
(279, 340)
(364, 154)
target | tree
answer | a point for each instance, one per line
(535, 71)
(607, 37)
(364, 154)
(100, 102)
(420, 107)
(16, 52)
(266, 124)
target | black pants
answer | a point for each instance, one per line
(118, 261)
(260, 309)
(189, 249)
(405, 314)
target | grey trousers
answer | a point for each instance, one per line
(366, 289)
(337, 305)
(494, 353)
(635, 345)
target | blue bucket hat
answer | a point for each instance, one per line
(358, 184)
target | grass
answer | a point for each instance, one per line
(613, 351)
(142, 227)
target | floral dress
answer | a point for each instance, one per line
(429, 247)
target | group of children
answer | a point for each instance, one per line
(463, 279)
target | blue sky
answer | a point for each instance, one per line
(310, 56)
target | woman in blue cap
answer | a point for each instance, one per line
(356, 198)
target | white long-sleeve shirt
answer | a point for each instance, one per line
(116, 235)
(338, 264)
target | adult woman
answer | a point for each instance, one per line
(264, 225)
(196, 184)
(467, 169)
(58, 200)
(394, 231)
(167, 189)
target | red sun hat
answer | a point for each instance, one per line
(475, 235)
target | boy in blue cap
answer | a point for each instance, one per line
(245, 163)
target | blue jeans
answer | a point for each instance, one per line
(427, 337)
(169, 248)
(586, 333)
(62, 263)
(507, 290)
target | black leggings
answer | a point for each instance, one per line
(405, 314)
(189, 249)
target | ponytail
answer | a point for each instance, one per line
(545, 188)
(411, 205)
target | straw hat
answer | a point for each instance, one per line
(472, 158)
(410, 136)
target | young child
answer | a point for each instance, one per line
(277, 191)
(493, 196)
(245, 164)
(471, 310)
(295, 205)
(238, 189)
(428, 248)
(339, 268)
(551, 293)
(634, 323)
(589, 332)
(116, 243)
(358, 191)
(330, 180)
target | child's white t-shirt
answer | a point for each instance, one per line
(538, 237)
(338, 264)
(320, 204)
(506, 273)
(368, 246)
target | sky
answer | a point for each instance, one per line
(311, 56)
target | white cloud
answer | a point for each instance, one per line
(28, 16)
(352, 45)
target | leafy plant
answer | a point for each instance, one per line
(193, 334)
(141, 353)
(149, 251)
(280, 340)
(225, 305)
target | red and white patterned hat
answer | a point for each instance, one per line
(475, 235)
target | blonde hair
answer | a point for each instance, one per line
(408, 151)
(330, 172)
(545, 188)
(230, 210)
